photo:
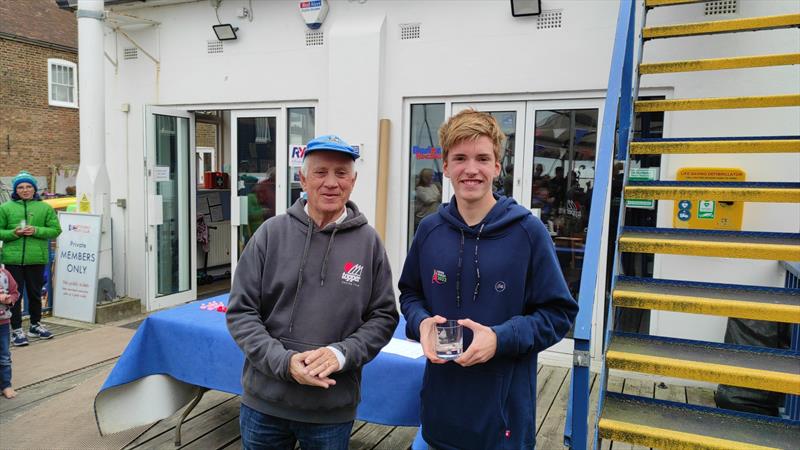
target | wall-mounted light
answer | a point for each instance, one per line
(520, 8)
(225, 32)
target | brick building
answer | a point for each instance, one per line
(39, 129)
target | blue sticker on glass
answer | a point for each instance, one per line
(684, 204)
(684, 215)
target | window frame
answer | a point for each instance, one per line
(52, 62)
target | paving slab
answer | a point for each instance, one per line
(64, 354)
(65, 421)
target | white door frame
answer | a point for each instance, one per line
(281, 164)
(565, 346)
(154, 209)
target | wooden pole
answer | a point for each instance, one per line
(383, 178)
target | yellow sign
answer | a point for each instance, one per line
(708, 214)
(84, 205)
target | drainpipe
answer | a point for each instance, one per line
(92, 179)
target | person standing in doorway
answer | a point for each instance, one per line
(311, 303)
(489, 263)
(26, 226)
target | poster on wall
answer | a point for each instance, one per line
(75, 288)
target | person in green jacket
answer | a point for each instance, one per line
(26, 226)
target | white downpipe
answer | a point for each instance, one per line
(92, 178)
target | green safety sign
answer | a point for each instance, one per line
(705, 209)
(642, 174)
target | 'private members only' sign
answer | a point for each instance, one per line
(77, 258)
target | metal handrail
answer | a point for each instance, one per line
(619, 86)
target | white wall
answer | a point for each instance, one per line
(753, 122)
(468, 49)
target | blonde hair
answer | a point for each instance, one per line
(470, 125)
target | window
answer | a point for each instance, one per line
(301, 130)
(62, 83)
(564, 150)
(425, 169)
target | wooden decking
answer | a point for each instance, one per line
(214, 423)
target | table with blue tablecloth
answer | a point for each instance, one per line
(179, 353)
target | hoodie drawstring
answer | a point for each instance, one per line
(477, 269)
(460, 266)
(325, 259)
(300, 273)
(458, 272)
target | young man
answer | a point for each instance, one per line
(311, 303)
(486, 261)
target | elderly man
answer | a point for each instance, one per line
(311, 303)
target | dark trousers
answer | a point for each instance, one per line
(32, 279)
(264, 432)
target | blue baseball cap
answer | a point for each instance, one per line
(333, 143)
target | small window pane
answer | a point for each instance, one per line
(70, 78)
(301, 130)
(425, 170)
(70, 95)
(59, 93)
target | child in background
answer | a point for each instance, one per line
(8, 296)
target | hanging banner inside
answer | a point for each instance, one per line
(77, 264)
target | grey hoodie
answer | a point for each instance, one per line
(298, 288)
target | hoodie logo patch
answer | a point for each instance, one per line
(352, 273)
(500, 286)
(439, 277)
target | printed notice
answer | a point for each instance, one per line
(161, 173)
(75, 287)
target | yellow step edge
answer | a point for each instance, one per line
(706, 305)
(722, 26)
(687, 147)
(747, 194)
(740, 62)
(663, 438)
(654, 3)
(704, 248)
(694, 104)
(703, 371)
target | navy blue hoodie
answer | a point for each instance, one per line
(502, 273)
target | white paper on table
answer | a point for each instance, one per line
(406, 349)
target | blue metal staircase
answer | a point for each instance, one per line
(662, 424)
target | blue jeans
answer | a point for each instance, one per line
(5, 356)
(262, 431)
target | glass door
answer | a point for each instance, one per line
(170, 238)
(557, 183)
(258, 189)
(510, 117)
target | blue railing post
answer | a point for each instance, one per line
(577, 421)
(792, 281)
